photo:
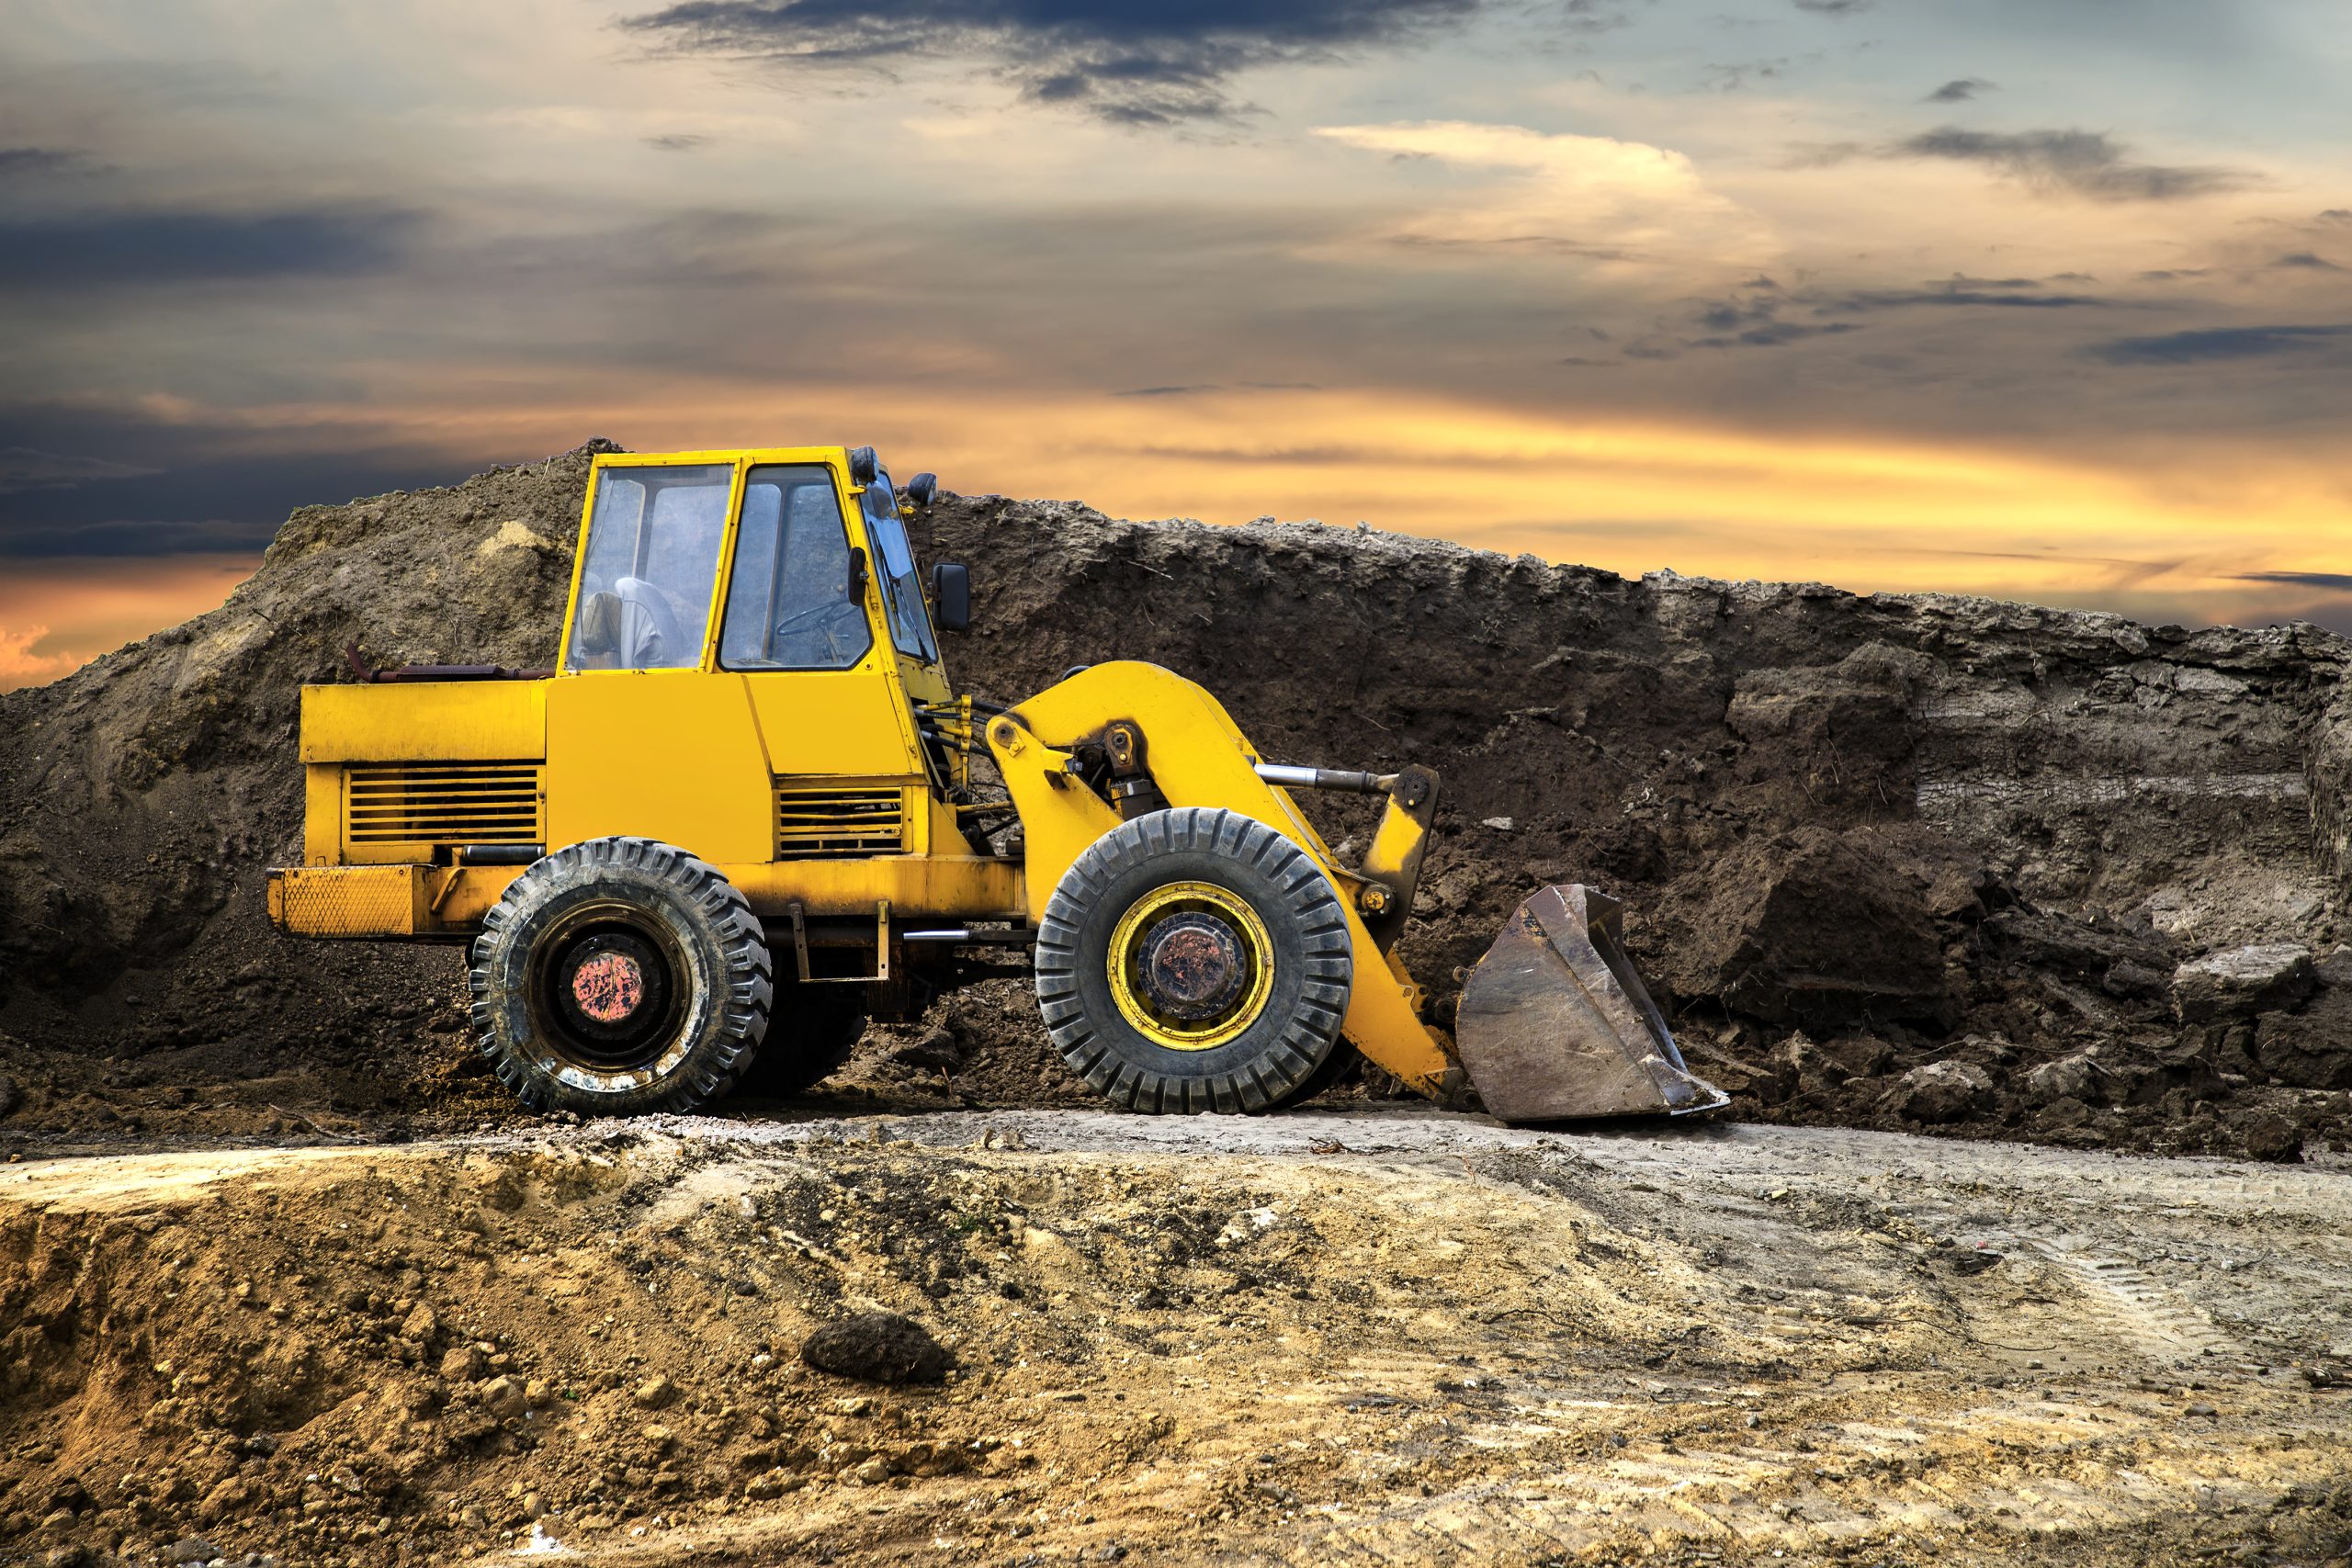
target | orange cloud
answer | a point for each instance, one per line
(57, 616)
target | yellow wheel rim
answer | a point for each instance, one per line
(1131, 989)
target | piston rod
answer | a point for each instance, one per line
(1341, 779)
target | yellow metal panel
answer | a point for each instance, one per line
(918, 887)
(667, 754)
(425, 721)
(322, 814)
(345, 901)
(851, 722)
(1197, 757)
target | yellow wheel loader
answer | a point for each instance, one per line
(741, 816)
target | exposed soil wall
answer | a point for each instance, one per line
(1917, 861)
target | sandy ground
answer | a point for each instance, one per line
(1389, 1337)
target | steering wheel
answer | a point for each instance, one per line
(829, 621)
(815, 617)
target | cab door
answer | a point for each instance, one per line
(642, 739)
(805, 625)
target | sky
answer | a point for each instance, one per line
(2043, 299)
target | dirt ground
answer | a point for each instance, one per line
(1380, 1335)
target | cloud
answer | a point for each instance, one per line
(16, 161)
(2307, 259)
(23, 468)
(1906, 298)
(678, 141)
(1960, 90)
(2216, 342)
(106, 249)
(1159, 64)
(1169, 391)
(2074, 162)
(1546, 192)
(2336, 579)
(1835, 7)
(21, 664)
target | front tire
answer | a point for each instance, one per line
(1194, 960)
(619, 977)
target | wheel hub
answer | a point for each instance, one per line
(1191, 966)
(608, 986)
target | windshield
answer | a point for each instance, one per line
(791, 604)
(909, 621)
(653, 558)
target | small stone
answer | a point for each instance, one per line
(2200, 1410)
(537, 1393)
(878, 1347)
(464, 1363)
(2068, 1078)
(420, 1325)
(192, 1549)
(1943, 1091)
(504, 1398)
(656, 1393)
(1499, 824)
(873, 1472)
(534, 1505)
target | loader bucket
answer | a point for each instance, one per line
(1555, 1024)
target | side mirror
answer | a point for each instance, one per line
(857, 576)
(922, 488)
(951, 596)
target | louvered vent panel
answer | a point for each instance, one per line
(834, 821)
(445, 803)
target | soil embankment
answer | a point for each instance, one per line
(1916, 861)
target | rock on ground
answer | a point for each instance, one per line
(878, 1347)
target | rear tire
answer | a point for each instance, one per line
(619, 977)
(1194, 960)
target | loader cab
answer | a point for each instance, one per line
(747, 660)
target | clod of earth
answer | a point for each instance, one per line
(878, 1347)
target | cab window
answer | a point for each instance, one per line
(901, 591)
(792, 603)
(651, 562)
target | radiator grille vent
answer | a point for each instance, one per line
(445, 803)
(831, 821)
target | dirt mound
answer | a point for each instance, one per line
(1914, 829)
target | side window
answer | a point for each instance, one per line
(652, 558)
(790, 604)
(901, 591)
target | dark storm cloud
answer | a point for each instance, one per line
(1908, 299)
(2300, 578)
(101, 250)
(2216, 342)
(1157, 63)
(1959, 90)
(16, 161)
(2080, 162)
(166, 489)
